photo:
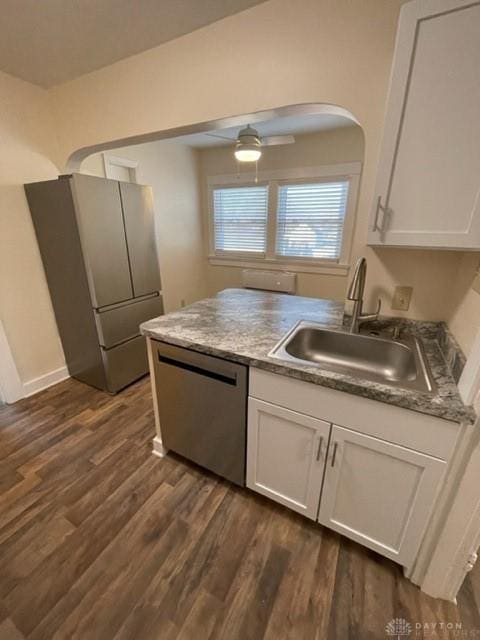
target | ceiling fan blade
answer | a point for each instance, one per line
(215, 135)
(271, 141)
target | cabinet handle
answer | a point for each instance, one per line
(377, 211)
(334, 455)
(319, 451)
(376, 226)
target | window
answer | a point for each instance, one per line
(299, 219)
(310, 218)
(240, 219)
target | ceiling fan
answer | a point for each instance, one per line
(248, 143)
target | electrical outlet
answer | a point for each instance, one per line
(401, 298)
(476, 283)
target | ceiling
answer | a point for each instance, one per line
(49, 42)
(295, 125)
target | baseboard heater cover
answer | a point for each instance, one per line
(282, 281)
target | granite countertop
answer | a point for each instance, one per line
(244, 326)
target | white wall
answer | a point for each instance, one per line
(28, 148)
(171, 170)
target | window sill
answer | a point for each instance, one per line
(269, 264)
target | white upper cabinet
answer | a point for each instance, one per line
(428, 182)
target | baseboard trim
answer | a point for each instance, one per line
(158, 448)
(43, 382)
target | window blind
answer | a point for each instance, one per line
(240, 219)
(310, 219)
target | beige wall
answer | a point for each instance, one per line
(427, 271)
(171, 170)
(329, 147)
(332, 52)
(333, 146)
(27, 150)
(464, 318)
(310, 51)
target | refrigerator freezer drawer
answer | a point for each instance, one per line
(125, 363)
(122, 322)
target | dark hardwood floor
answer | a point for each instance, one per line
(101, 540)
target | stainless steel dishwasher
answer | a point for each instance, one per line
(202, 404)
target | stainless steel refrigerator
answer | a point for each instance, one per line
(97, 241)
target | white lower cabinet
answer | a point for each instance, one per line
(286, 456)
(379, 494)
(366, 480)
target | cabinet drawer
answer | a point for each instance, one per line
(433, 436)
(122, 323)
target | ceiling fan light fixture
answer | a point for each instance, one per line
(247, 153)
(248, 147)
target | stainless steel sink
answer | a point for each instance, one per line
(400, 363)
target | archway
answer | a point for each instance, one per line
(76, 158)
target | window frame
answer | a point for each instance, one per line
(328, 179)
(273, 179)
(219, 253)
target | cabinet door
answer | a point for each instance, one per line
(286, 456)
(102, 233)
(378, 494)
(139, 225)
(428, 182)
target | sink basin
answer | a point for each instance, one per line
(400, 363)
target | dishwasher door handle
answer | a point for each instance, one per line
(215, 375)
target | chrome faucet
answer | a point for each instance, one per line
(355, 293)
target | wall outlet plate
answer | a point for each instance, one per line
(401, 298)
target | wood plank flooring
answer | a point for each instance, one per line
(101, 540)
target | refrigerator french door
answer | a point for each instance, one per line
(97, 241)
